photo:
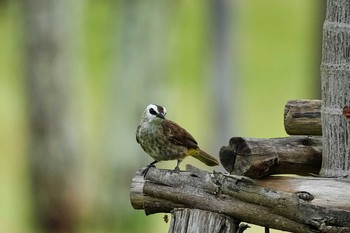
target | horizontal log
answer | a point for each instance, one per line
(150, 204)
(303, 117)
(256, 202)
(258, 158)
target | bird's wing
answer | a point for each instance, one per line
(178, 135)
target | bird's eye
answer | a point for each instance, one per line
(151, 110)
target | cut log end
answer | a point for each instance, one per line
(303, 117)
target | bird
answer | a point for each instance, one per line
(164, 139)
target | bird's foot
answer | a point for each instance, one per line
(144, 172)
(176, 170)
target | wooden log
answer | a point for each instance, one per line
(303, 117)
(258, 158)
(151, 205)
(335, 83)
(256, 202)
(195, 220)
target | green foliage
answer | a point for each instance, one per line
(132, 53)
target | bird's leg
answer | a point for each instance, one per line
(177, 168)
(144, 172)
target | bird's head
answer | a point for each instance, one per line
(153, 112)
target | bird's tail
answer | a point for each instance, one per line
(204, 157)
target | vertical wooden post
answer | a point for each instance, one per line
(335, 72)
(201, 221)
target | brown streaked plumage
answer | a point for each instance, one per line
(163, 139)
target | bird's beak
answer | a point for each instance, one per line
(160, 116)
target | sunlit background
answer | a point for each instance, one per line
(221, 68)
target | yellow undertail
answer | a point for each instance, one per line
(203, 157)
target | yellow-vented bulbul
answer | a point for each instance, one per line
(163, 139)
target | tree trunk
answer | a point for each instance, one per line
(335, 72)
(53, 146)
(223, 79)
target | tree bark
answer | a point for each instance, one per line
(303, 207)
(335, 72)
(53, 142)
(258, 158)
(303, 117)
(194, 220)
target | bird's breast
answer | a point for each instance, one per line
(155, 143)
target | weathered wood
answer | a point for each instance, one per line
(330, 193)
(303, 117)
(150, 204)
(194, 220)
(335, 73)
(259, 158)
(249, 201)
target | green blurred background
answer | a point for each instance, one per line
(221, 68)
